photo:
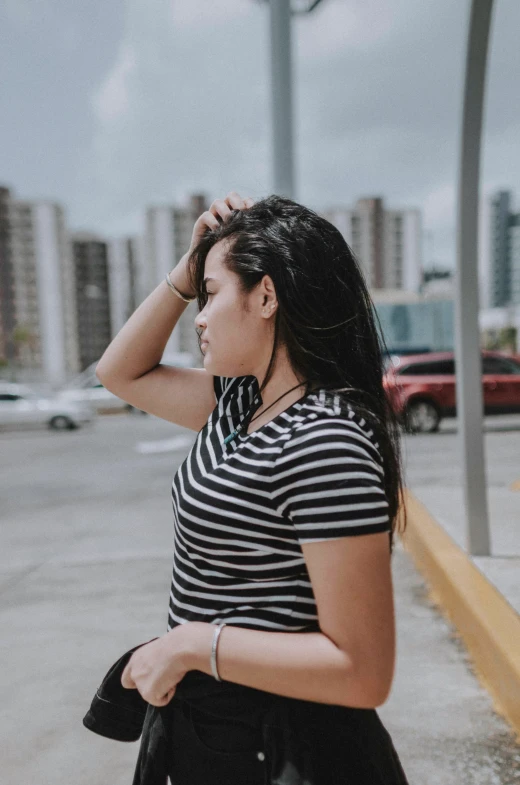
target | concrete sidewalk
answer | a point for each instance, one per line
(86, 537)
(481, 595)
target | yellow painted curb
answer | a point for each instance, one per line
(488, 625)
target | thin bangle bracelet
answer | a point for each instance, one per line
(176, 291)
(216, 635)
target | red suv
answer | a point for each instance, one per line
(421, 387)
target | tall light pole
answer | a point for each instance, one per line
(281, 12)
(467, 333)
(467, 343)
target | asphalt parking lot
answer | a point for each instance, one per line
(86, 534)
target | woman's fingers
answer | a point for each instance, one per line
(210, 219)
(235, 201)
(126, 679)
(220, 207)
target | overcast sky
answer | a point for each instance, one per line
(110, 106)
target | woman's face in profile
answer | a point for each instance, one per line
(237, 334)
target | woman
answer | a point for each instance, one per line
(281, 597)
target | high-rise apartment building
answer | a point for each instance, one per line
(7, 295)
(40, 297)
(387, 243)
(125, 268)
(504, 252)
(168, 236)
(90, 259)
(514, 247)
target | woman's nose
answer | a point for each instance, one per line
(200, 323)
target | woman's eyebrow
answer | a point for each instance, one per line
(210, 279)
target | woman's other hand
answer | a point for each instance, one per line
(156, 668)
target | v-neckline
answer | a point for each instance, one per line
(245, 435)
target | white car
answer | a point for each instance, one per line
(22, 405)
(93, 393)
(87, 387)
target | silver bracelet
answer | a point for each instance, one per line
(176, 291)
(214, 668)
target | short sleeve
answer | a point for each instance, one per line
(329, 481)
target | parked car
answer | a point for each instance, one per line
(22, 405)
(87, 387)
(95, 394)
(421, 387)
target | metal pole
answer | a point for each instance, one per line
(467, 349)
(281, 92)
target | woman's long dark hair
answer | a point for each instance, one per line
(325, 315)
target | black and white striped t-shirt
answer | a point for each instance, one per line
(242, 509)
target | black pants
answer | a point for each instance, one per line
(221, 741)
(209, 750)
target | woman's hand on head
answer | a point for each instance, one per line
(219, 208)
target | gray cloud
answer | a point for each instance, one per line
(175, 97)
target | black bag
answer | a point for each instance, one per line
(117, 712)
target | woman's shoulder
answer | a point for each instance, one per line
(328, 478)
(326, 418)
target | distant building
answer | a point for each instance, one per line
(500, 328)
(514, 248)
(7, 293)
(504, 252)
(438, 283)
(125, 268)
(168, 236)
(386, 242)
(90, 259)
(39, 297)
(412, 323)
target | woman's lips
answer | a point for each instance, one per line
(203, 344)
